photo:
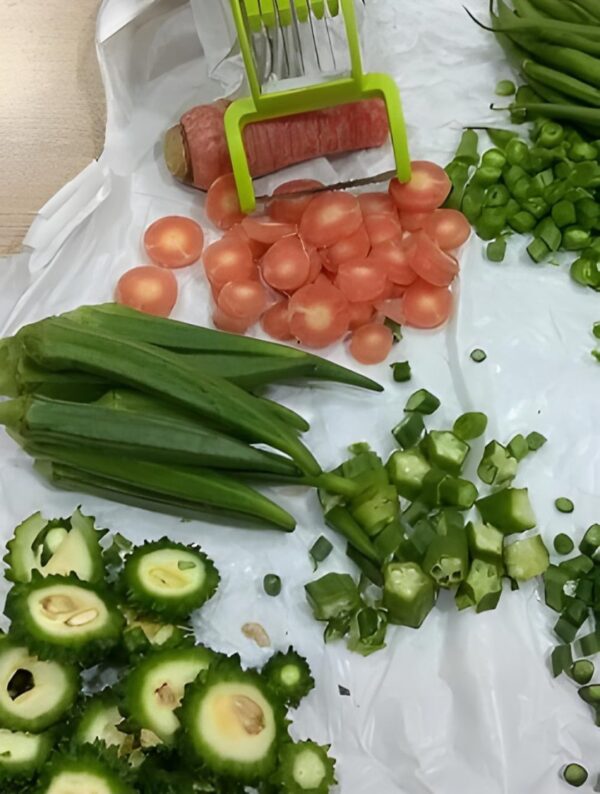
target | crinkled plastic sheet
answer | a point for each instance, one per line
(467, 704)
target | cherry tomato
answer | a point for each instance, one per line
(233, 325)
(427, 190)
(371, 343)
(432, 264)
(377, 204)
(360, 314)
(356, 246)
(449, 229)
(329, 218)
(319, 314)
(149, 289)
(229, 259)
(222, 203)
(414, 221)
(244, 300)
(397, 255)
(286, 265)
(426, 306)
(291, 210)
(174, 241)
(381, 228)
(276, 322)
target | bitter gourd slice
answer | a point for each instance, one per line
(233, 722)
(22, 755)
(63, 618)
(155, 687)
(60, 546)
(288, 675)
(33, 694)
(98, 722)
(169, 579)
(305, 768)
(83, 772)
(142, 635)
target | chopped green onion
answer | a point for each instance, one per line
(409, 431)
(422, 402)
(561, 659)
(478, 355)
(401, 371)
(272, 584)
(563, 544)
(575, 775)
(582, 671)
(564, 505)
(470, 425)
(320, 550)
(505, 88)
(535, 441)
(596, 330)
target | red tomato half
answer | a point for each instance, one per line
(397, 256)
(291, 210)
(266, 231)
(329, 218)
(371, 343)
(276, 322)
(174, 241)
(222, 203)
(449, 229)
(319, 314)
(414, 221)
(233, 325)
(356, 246)
(432, 264)
(427, 190)
(362, 280)
(426, 306)
(360, 314)
(286, 265)
(377, 204)
(244, 300)
(229, 259)
(149, 289)
(382, 228)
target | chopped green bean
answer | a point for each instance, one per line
(478, 355)
(582, 671)
(272, 584)
(505, 88)
(494, 158)
(496, 250)
(467, 148)
(517, 152)
(522, 222)
(535, 441)
(563, 213)
(575, 775)
(564, 505)
(575, 238)
(551, 134)
(470, 425)
(518, 447)
(320, 550)
(549, 233)
(538, 250)
(401, 371)
(596, 330)
(563, 544)
(422, 402)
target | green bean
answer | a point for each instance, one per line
(558, 9)
(459, 176)
(575, 113)
(550, 94)
(565, 59)
(591, 6)
(524, 8)
(508, 23)
(467, 148)
(562, 82)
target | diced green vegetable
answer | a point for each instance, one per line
(509, 510)
(577, 566)
(445, 450)
(535, 441)
(409, 431)
(561, 659)
(589, 644)
(375, 508)
(368, 629)
(565, 630)
(563, 544)
(575, 775)
(320, 550)
(564, 505)
(518, 447)
(590, 542)
(483, 585)
(497, 466)
(447, 558)
(408, 594)
(470, 425)
(505, 88)
(457, 492)
(538, 250)
(485, 542)
(272, 584)
(478, 355)
(582, 671)
(401, 371)
(407, 470)
(496, 250)
(332, 595)
(422, 402)
(526, 559)
(555, 580)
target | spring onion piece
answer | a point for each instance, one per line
(422, 402)
(575, 775)
(470, 425)
(582, 671)
(272, 584)
(478, 355)
(526, 559)
(564, 505)
(563, 544)
(535, 441)
(333, 595)
(320, 550)
(555, 580)
(401, 371)
(561, 660)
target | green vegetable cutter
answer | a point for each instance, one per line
(287, 17)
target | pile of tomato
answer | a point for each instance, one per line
(316, 267)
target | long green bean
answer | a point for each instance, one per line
(558, 9)
(564, 83)
(591, 6)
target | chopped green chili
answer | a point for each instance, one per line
(422, 402)
(478, 355)
(321, 549)
(272, 584)
(582, 671)
(575, 775)
(563, 544)
(470, 425)
(401, 371)
(564, 505)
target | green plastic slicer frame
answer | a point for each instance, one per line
(253, 16)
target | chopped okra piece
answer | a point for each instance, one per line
(563, 544)
(409, 431)
(448, 519)
(272, 584)
(485, 542)
(446, 450)
(320, 550)
(561, 659)
(401, 371)
(564, 505)
(590, 694)
(389, 539)
(470, 425)
(518, 447)
(332, 595)
(422, 402)
(375, 508)
(483, 585)
(368, 628)
(497, 466)
(575, 775)
(589, 644)
(408, 594)
(565, 630)
(462, 599)
(407, 469)
(577, 566)
(555, 580)
(526, 559)
(508, 510)
(535, 441)
(478, 355)
(591, 541)
(447, 558)
(582, 671)
(458, 492)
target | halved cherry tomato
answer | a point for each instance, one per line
(414, 221)
(432, 264)
(291, 210)
(397, 255)
(371, 343)
(286, 264)
(330, 217)
(224, 322)
(360, 314)
(427, 190)
(222, 203)
(392, 308)
(149, 289)
(229, 259)
(244, 300)
(258, 249)
(174, 241)
(426, 306)
(382, 227)
(362, 279)
(319, 314)
(448, 229)
(264, 230)
(377, 204)
(356, 246)
(276, 322)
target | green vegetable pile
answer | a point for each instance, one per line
(179, 717)
(158, 413)
(408, 530)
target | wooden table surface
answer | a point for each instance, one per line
(51, 105)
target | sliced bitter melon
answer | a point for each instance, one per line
(60, 617)
(33, 694)
(61, 546)
(98, 722)
(141, 635)
(155, 687)
(22, 755)
(289, 676)
(305, 768)
(169, 579)
(83, 772)
(233, 722)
